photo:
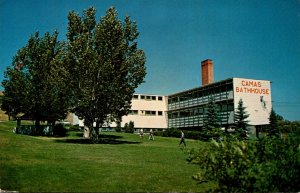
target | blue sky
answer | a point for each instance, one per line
(245, 38)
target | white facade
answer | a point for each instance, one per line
(256, 96)
(147, 111)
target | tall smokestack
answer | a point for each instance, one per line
(207, 72)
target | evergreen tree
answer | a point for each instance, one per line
(273, 126)
(240, 120)
(211, 119)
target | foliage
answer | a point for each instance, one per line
(273, 124)
(74, 128)
(211, 128)
(240, 120)
(249, 166)
(174, 132)
(59, 130)
(171, 132)
(36, 84)
(105, 65)
(129, 127)
(118, 129)
(289, 126)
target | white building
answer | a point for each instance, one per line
(147, 112)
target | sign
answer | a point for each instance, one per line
(252, 87)
(256, 96)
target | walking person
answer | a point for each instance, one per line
(182, 139)
(151, 136)
(142, 133)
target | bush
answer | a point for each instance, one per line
(129, 127)
(59, 130)
(266, 165)
(74, 128)
(118, 129)
(171, 132)
(174, 132)
(193, 135)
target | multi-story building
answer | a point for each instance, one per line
(187, 109)
(147, 112)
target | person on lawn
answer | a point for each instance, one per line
(142, 133)
(151, 136)
(182, 139)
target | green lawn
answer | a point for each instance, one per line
(121, 162)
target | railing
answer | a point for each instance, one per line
(45, 130)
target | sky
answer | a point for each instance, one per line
(245, 39)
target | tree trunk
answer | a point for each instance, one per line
(37, 127)
(88, 126)
(86, 131)
(257, 131)
(52, 128)
(99, 124)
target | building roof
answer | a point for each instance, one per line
(201, 87)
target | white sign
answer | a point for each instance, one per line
(256, 96)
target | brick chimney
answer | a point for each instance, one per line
(207, 72)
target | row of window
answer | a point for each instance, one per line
(145, 113)
(193, 121)
(202, 92)
(147, 97)
(221, 108)
(200, 100)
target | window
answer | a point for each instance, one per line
(148, 97)
(133, 112)
(230, 107)
(160, 113)
(143, 97)
(201, 111)
(135, 96)
(153, 98)
(160, 98)
(224, 107)
(150, 113)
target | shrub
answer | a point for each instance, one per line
(74, 128)
(129, 127)
(174, 132)
(266, 165)
(193, 135)
(171, 132)
(59, 130)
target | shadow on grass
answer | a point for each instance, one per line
(103, 139)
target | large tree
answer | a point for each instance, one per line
(36, 84)
(106, 66)
(240, 120)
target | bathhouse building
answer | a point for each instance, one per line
(187, 109)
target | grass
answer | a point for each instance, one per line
(120, 163)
